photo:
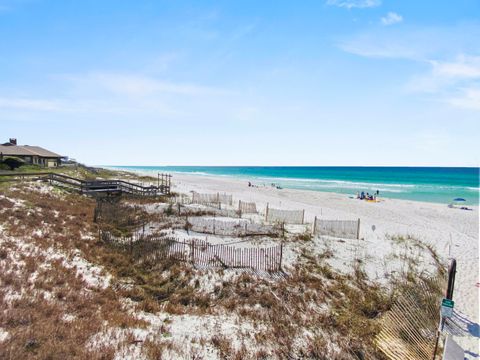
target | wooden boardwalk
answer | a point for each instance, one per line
(93, 187)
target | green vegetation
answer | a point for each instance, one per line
(76, 170)
(12, 162)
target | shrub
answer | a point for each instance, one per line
(169, 210)
(13, 162)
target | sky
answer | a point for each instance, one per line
(272, 82)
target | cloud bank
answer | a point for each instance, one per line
(349, 4)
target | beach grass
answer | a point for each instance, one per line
(311, 311)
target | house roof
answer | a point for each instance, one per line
(27, 150)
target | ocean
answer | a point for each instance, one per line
(431, 184)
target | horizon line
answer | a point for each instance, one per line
(305, 166)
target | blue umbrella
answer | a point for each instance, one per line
(459, 199)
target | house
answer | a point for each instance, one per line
(35, 155)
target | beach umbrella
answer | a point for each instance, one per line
(458, 201)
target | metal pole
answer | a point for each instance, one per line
(452, 270)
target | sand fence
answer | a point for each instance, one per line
(247, 207)
(198, 252)
(348, 229)
(230, 227)
(409, 328)
(181, 199)
(201, 210)
(284, 216)
(198, 198)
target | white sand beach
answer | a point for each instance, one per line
(453, 232)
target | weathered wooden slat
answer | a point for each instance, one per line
(408, 328)
(198, 252)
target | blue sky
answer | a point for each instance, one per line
(325, 82)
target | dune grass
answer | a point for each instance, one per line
(312, 312)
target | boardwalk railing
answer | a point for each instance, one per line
(93, 186)
(198, 252)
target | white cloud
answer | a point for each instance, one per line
(461, 71)
(391, 18)
(122, 94)
(348, 4)
(369, 45)
(463, 67)
(63, 105)
(30, 104)
(138, 85)
(455, 82)
(392, 42)
(452, 73)
(469, 98)
(414, 43)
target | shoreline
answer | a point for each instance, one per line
(245, 180)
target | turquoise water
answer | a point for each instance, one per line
(432, 184)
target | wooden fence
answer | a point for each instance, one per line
(208, 199)
(284, 216)
(348, 229)
(265, 259)
(182, 199)
(231, 227)
(198, 252)
(247, 207)
(408, 329)
(188, 209)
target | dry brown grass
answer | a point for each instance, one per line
(5, 204)
(305, 236)
(284, 308)
(338, 311)
(44, 290)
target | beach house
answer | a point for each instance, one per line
(35, 155)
